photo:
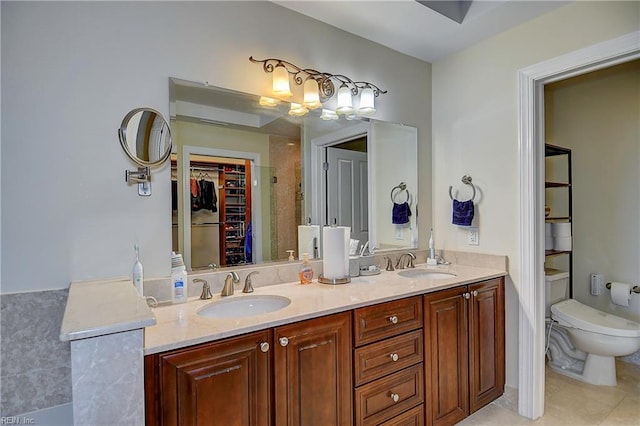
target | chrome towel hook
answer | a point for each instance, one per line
(466, 179)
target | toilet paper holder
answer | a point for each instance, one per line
(635, 289)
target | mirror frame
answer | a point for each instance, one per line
(125, 144)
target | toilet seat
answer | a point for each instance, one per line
(574, 314)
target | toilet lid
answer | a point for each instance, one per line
(586, 318)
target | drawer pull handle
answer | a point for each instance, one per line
(393, 319)
(475, 293)
(466, 295)
(264, 347)
(395, 397)
(284, 341)
(394, 357)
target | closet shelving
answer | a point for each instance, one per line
(563, 185)
(235, 210)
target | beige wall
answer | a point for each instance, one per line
(475, 128)
(596, 116)
(72, 70)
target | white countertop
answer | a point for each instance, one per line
(179, 325)
(96, 308)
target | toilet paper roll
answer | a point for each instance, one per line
(309, 240)
(562, 243)
(547, 229)
(335, 251)
(561, 229)
(620, 293)
(548, 242)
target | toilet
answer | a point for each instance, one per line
(582, 342)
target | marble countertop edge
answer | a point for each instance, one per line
(179, 326)
(101, 307)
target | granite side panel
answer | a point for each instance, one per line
(108, 379)
(35, 366)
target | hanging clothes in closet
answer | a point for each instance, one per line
(203, 195)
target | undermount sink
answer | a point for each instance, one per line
(244, 306)
(425, 273)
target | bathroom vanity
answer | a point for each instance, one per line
(388, 349)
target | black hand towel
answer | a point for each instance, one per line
(462, 212)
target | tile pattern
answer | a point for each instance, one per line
(35, 364)
(108, 379)
(571, 402)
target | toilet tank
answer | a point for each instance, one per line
(556, 288)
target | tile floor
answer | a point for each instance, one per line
(569, 402)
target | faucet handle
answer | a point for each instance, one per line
(206, 290)
(389, 264)
(248, 288)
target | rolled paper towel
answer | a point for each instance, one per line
(308, 240)
(620, 293)
(335, 251)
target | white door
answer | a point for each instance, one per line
(347, 197)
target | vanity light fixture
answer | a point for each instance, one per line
(319, 87)
(269, 102)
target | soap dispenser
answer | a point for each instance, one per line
(306, 272)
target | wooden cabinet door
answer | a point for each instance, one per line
(313, 372)
(486, 343)
(226, 383)
(446, 356)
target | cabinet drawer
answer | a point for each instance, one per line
(413, 417)
(389, 396)
(388, 356)
(373, 323)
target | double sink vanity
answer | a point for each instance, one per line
(414, 346)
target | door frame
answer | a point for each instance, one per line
(256, 197)
(531, 81)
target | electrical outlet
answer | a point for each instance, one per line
(473, 238)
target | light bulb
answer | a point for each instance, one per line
(311, 95)
(328, 114)
(345, 105)
(281, 82)
(366, 102)
(297, 110)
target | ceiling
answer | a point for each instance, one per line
(415, 29)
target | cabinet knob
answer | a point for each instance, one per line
(394, 357)
(264, 347)
(475, 293)
(466, 295)
(283, 341)
(393, 319)
(395, 397)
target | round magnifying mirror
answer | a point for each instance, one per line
(145, 137)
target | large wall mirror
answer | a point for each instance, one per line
(246, 174)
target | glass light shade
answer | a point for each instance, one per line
(311, 95)
(297, 110)
(268, 102)
(281, 82)
(345, 105)
(328, 114)
(367, 105)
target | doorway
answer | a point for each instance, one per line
(531, 83)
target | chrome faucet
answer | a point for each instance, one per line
(248, 288)
(206, 290)
(229, 281)
(411, 256)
